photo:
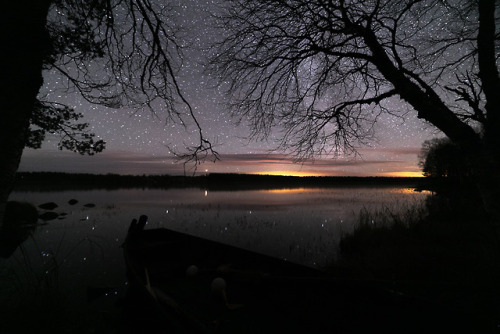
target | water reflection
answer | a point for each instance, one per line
(288, 190)
(81, 255)
(271, 221)
(410, 191)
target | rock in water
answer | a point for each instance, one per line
(49, 215)
(48, 206)
(18, 214)
(19, 222)
(72, 201)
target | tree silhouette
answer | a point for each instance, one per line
(112, 52)
(59, 119)
(324, 70)
(440, 158)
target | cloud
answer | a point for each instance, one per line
(377, 162)
(393, 151)
(271, 159)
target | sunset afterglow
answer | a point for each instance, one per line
(403, 174)
(289, 173)
(372, 164)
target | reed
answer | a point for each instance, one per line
(441, 240)
(33, 290)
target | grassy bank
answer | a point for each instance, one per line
(445, 239)
(443, 252)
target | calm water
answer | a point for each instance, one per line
(83, 249)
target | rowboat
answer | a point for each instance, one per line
(195, 285)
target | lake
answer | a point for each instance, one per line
(79, 255)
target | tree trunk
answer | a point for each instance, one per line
(484, 153)
(488, 181)
(25, 45)
(489, 161)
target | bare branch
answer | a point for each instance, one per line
(319, 69)
(471, 93)
(121, 53)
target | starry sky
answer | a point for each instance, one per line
(137, 139)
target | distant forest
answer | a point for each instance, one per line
(51, 181)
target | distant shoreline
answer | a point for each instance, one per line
(55, 181)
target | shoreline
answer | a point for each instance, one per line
(55, 181)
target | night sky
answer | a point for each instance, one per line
(137, 139)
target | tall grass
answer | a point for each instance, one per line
(441, 240)
(33, 294)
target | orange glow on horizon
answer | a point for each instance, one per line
(288, 173)
(305, 173)
(403, 174)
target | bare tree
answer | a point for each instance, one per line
(112, 52)
(324, 70)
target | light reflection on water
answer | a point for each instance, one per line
(302, 225)
(409, 191)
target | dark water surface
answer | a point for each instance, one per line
(76, 262)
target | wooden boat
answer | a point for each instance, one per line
(194, 285)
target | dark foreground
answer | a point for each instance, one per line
(260, 294)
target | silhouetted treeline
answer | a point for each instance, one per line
(51, 181)
(252, 181)
(47, 181)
